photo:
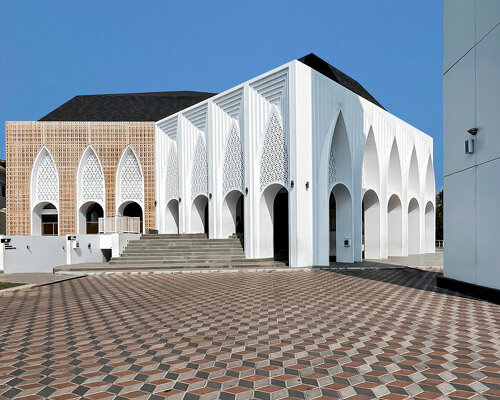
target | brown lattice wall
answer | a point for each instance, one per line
(67, 141)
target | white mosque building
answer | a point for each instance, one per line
(304, 163)
(301, 162)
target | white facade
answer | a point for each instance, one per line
(293, 130)
(471, 99)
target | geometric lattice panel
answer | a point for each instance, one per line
(199, 180)
(131, 182)
(332, 170)
(47, 182)
(233, 171)
(172, 180)
(92, 179)
(274, 160)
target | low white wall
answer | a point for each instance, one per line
(43, 253)
(33, 254)
(117, 242)
(84, 254)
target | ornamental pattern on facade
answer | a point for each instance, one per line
(92, 179)
(131, 178)
(274, 160)
(332, 169)
(172, 180)
(199, 179)
(47, 185)
(233, 171)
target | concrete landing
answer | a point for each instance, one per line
(427, 262)
(104, 268)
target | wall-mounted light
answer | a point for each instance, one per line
(89, 246)
(28, 246)
(292, 183)
(246, 190)
(210, 196)
(469, 146)
(180, 199)
(472, 131)
(307, 185)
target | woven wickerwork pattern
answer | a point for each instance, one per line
(199, 180)
(172, 179)
(233, 171)
(274, 160)
(67, 141)
(92, 179)
(47, 184)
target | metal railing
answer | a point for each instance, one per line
(439, 244)
(120, 225)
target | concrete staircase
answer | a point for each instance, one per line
(183, 253)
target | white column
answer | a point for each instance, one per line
(300, 145)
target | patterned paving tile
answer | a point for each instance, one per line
(385, 334)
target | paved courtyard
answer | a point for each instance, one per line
(311, 334)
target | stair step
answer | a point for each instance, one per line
(192, 251)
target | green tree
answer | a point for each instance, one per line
(439, 215)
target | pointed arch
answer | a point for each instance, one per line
(413, 227)
(430, 185)
(371, 224)
(394, 179)
(90, 178)
(371, 167)
(339, 161)
(44, 179)
(274, 155)
(233, 168)
(129, 179)
(413, 176)
(394, 226)
(199, 175)
(430, 228)
(44, 195)
(172, 178)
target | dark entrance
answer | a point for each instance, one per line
(94, 212)
(133, 210)
(49, 221)
(332, 228)
(280, 226)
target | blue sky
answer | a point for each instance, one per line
(54, 50)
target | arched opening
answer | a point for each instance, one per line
(45, 220)
(394, 182)
(413, 177)
(280, 227)
(233, 214)
(172, 217)
(371, 225)
(394, 226)
(371, 178)
(430, 187)
(273, 223)
(341, 248)
(413, 227)
(199, 215)
(430, 230)
(132, 209)
(88, 218)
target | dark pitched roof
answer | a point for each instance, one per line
(125, 107)
(316, 63)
